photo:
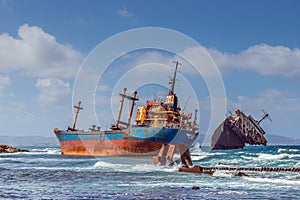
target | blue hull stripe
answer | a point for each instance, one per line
(165, 135)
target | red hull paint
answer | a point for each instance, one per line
(109, 148)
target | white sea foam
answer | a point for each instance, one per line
(45, 151)
(198, 157)
(247, 158)
(196, 147)
(143, 167)
(294, 150)
(263, 156)
(273, 180)
(232, 192)
(219, 173)
(152, 168)
(216, 153)
(280, 150)
(103, 164)
(201, 155)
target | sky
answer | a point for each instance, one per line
(44, 44)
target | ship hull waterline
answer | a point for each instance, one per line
(133, 142)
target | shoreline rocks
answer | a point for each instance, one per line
(9, 149)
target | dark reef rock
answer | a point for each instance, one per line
(195, 188)
(8, 149)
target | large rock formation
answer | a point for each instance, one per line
(8, 149)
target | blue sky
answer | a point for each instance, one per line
(255, 45)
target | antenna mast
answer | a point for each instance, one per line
(174, 77)
(195, 117)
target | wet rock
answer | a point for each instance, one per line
(9, 149)
(26, 174)
(195, 188)
(241, 174)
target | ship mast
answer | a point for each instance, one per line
(133, 98)
(76, 114)
(195, 117)
(171, 91)
(195, 127)
(121, 106)
(266, 115)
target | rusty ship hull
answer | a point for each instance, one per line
(236, 132)
(139, 141)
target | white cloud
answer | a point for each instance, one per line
(4, 81)
(37, 53)
(262, 58)
(123, 12)
(271, 99)
(53, 92)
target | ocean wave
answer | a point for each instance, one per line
(35, 151)
(279, 181)
(225, 174)
(202, 155)
(216, 153)
(133, 168)
(198, 157)
(152, 168)
(246, 157)
(231, 193)
(45, 151)
(280, 150)
(263, 156)
(103, 164)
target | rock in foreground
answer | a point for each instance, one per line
(8, 149)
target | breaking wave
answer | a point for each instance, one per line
(280, 150)
(277, 181)
(223, 174)
(46, 151)
(263, 156)
(137, 168)
(103, 164)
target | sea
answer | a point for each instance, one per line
(43, 173)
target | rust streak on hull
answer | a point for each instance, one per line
(109, 148)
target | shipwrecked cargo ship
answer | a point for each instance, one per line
(235, 132)
(161, 130)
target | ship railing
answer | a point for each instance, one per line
(164, 112)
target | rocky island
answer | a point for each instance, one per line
(9, 149)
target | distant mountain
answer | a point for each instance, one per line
(281, 140)
(28, 141)
(272, 140)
